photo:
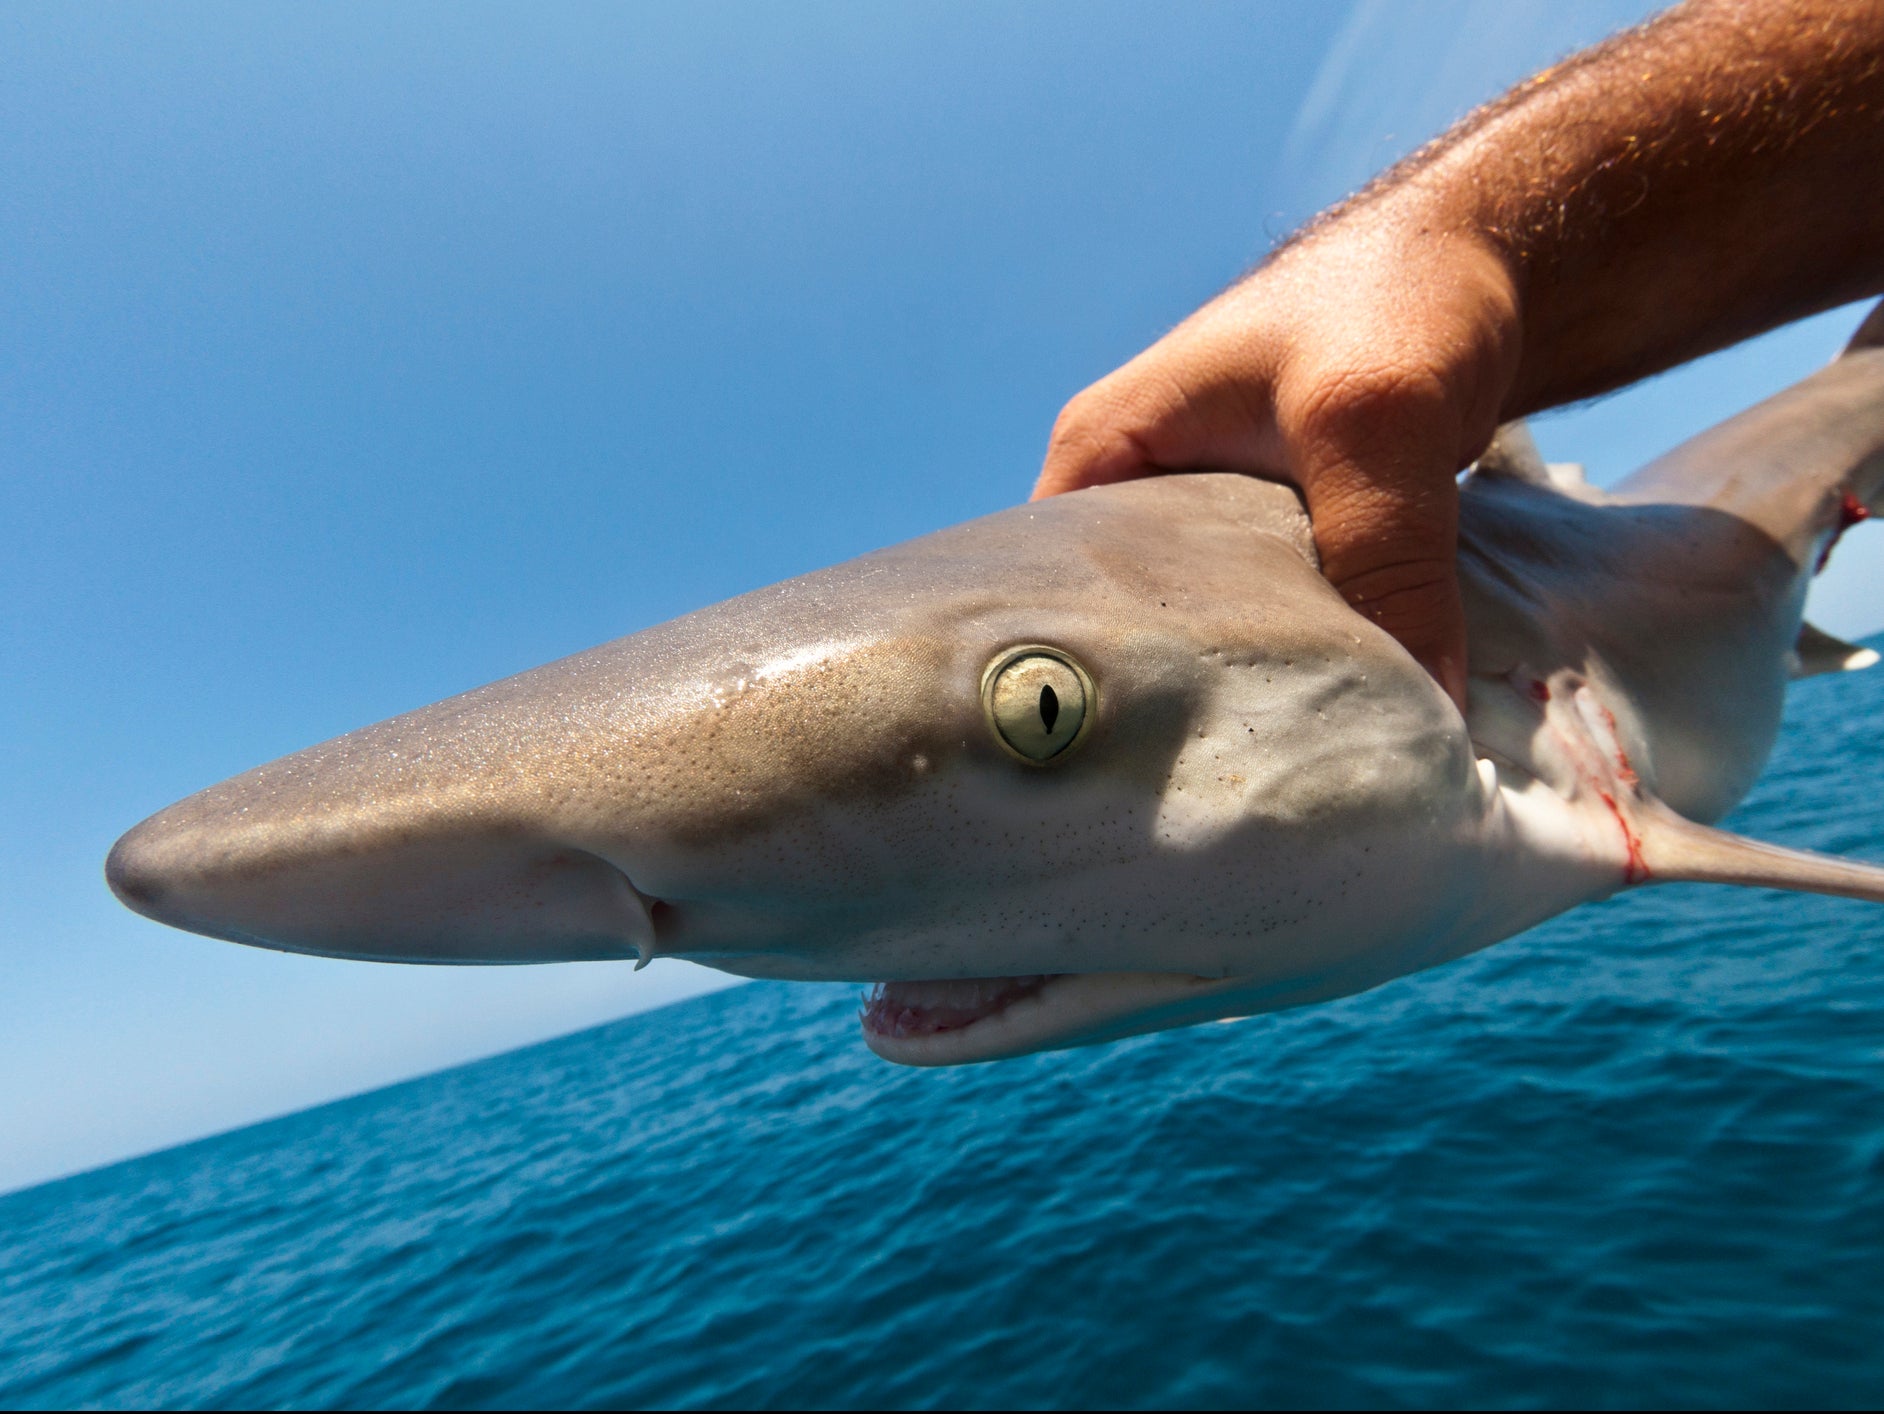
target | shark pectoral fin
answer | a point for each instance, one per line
(1677, 850)
(1819, 652)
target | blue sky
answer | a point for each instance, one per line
(355, 356)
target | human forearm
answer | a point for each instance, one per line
(1710, 175)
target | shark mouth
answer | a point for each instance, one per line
(972, 1019)
(898, 1010)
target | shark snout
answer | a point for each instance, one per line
(431, 890)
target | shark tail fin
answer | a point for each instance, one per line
(1675, 849)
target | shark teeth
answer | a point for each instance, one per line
(902, 1009)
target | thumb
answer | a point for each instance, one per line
(1100, 436)
(1388, 536)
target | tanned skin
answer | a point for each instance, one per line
(1712, 174)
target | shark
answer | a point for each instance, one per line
(1106, 764)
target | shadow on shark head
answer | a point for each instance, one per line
(1106, 764)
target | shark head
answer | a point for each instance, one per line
(1104, 764)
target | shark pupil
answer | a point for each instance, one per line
(1049, 706)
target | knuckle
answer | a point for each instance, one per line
(1078, 410)
(1093, 441)
(1081, 426)
(1065, 430)
(1365, 403)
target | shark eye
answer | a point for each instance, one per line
(1038, 702)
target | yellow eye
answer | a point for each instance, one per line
(1038, 702)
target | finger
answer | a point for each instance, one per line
(1386, 520)
(1089, 455)
(1097, 438)
(1193, 401)
(1397, 568)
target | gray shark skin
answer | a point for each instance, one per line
(1266, 802)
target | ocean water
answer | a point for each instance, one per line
(1634, 1157)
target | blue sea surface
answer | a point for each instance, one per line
(1633, 1157)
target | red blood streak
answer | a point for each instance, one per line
(1623, 769)
(1636, 870)
(1850, 511)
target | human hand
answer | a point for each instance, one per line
(1367, 364)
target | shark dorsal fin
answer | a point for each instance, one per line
(1820, 652)
(1513, 456)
